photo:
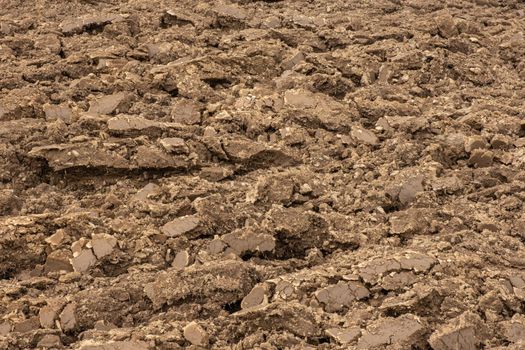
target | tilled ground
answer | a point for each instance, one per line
(262, 174)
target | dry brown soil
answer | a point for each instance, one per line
(243, 174)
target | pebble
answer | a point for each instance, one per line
(181, 225)
(195, 334)
(344, 335)
(115, 103)
(364, 136)
(181, 260)
(67, 318)
(480, 158)
(84, 261)
(475, 142)
(174, 145)
(256, 297)
(103, 244)
(50, 341)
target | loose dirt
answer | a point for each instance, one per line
(251, 174)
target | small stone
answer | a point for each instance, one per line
(500, 142)
(341, 295)
(126, 124)
(56, 238)
(410, 189)
(181, 225)
(344, 335)
(242, 241)
(514, 330)
(77, 246)
(447, 26)
(216, 247)
(300, 99)
(103, 244)
(47, 315)
(481, 158)
(50, 341)
(181, 260)
(67, 317)
(27, 325)
(147, 191)
(195, 334)
(215, 173)
(84, 261)
(256, 297)
(115, 103)
(116, 345)
(475, 142)
(174, 145)
(305, 189)
(364, 136)
(58, 260)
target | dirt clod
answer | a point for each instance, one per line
(262, 174)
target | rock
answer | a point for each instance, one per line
(481, 158)
(514, 329)
(244, 241)
(221, 281)
(115, 103)
(174, 145)
(410, 189)
(257, 297)
(364, 136)
(148, 157)
(61, 112)
(406, 330)
(397, 281)
(56, 238)
(181, 260)
(50, 341)
(58, 260)
(84, 261)
(48, 314)
(182, 225)
(230, 11)
(410, 221)
(300, 99)
(215, 173)
(475, 142)
(501, 142)
(186, 112)
(447, 26)
(344, 335)
(195, 334)
(416, 262)
(284, 317)
(123, 124)
(85, 23)
(116, 345)
(146, 192)
(340, 295)
(465, 332)
(102, 244)
(27, 325)
(75, 155)
(67, 318)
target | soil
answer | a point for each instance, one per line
(248, 174)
